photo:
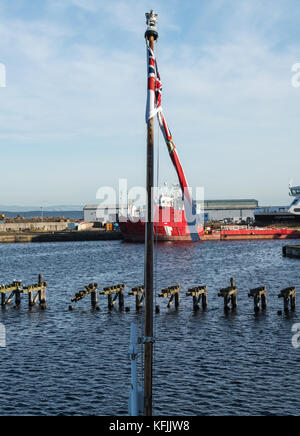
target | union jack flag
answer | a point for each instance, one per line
(154, 94)
(154, 87)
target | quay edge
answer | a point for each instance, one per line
(7, 238)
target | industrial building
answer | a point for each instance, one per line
(228, 210)
(102, 213)
(211, 210)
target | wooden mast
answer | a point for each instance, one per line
(151, 35)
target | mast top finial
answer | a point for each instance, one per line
(151, 20)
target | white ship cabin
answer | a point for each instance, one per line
(295, 191)
(295, 206)
(170, 196)
(166, 201)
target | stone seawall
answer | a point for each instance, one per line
(34, 227)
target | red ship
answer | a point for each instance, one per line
(178, 231)
(175, 228)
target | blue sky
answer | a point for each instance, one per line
(72, 114)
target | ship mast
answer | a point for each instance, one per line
(151, 35)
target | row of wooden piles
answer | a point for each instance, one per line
(199, 297)
(115, 294)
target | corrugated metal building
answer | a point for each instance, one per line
(214, 210)
(231, 210)
(101, 213)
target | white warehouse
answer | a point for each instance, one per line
(101, 213)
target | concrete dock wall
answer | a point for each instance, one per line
(59, 237)
(34, 227)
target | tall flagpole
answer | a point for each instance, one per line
(151, 35)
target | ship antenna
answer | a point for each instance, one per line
(151, 35)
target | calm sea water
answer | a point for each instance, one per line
(76, 363)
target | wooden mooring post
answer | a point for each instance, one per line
(13, 290)
(230, 296)
(174, 293)
(259, 296)
(40, 288)
(18, 296)
(118, 290)
(199, 295)
(289, 298)
(92, 290)
(139, 293)
(16, 288)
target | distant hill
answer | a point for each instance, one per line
(61, 208)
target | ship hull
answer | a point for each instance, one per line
(135, 232)
(266, 219)
(169, 225)
(176, 232)
(252, 234)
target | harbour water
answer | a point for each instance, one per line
(76, 363)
